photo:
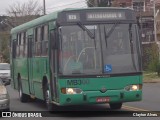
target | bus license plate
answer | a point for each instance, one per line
(102, 99)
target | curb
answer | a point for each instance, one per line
(151, 81)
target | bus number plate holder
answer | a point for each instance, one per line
(102, 99)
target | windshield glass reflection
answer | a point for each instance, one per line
(80, 54)
(113, 49)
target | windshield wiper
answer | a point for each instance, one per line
(107, 35)
(131, 45)
(92, 36)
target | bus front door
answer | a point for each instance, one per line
(30, 64)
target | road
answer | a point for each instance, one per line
(151, 98)
(150, 102)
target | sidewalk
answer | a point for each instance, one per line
(150, 78)
(151, 81)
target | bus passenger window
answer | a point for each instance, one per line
(44, 40)
(25, 45)
(38, 41)
(18, 44)
(21, 44)
(14, 45)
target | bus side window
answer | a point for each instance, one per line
(21, 45)
(35, 41)
(14, 48)
(52, 41)
(44, 43)
(18, 45)
(25, 45)
(38, 41)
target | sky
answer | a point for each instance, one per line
(51, 5)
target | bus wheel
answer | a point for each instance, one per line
(115, 105)
(50, 106)
(23, 97)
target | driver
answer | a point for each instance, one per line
(72, 65)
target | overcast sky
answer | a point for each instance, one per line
(51, 5)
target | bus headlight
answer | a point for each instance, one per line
(133, 87)
(71, 90)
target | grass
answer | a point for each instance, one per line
(151, 77)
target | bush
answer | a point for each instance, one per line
(158, 69)
(4, 46)
(150, 57)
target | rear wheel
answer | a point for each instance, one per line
(115, 105)
(50, 106)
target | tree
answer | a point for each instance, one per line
(3, 26)
(99, 3)
(151, 57)
(19, 13)
(23, 12)
(4, 46)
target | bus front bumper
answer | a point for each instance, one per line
(90, 97)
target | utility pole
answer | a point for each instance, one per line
(140, 11)
(44, 7)
(155, 22)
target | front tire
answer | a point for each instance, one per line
(115, 106)
(50, 106)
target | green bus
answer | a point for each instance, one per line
(78, 56)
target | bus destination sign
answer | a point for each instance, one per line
(100, 16)
(95, 16)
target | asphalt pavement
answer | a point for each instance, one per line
(150, 103)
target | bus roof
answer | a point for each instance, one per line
(35, 22)
(100, 8)
(53, 16)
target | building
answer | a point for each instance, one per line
(122, 3)
(144, 10)
(145, 14)
(158, 19)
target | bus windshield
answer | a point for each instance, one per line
(122, 52)
(115, 53)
